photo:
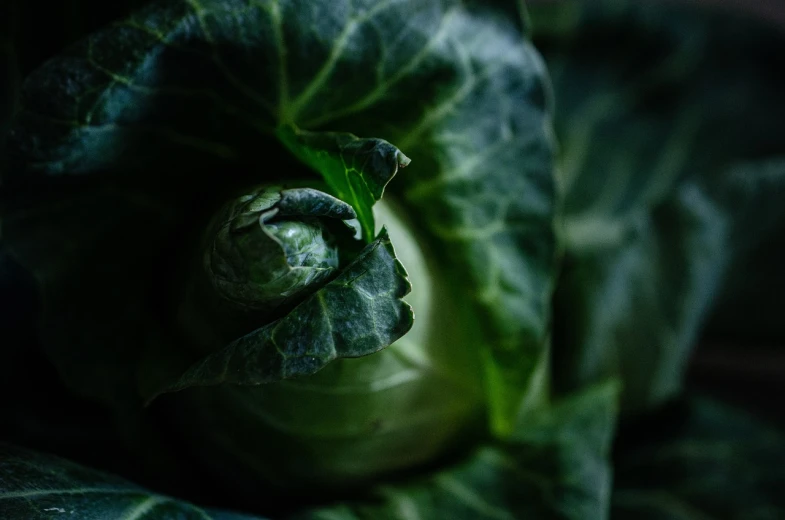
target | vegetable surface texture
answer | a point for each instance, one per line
(369, 259)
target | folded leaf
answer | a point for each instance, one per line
(358, 313)
(356, 169)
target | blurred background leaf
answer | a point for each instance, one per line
(709, 461)
(663, 110)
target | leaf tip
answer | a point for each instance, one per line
(402, 159)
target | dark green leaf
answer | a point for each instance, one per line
(650, 120)
(555, 467)
(38, 38)
(750, 307)
(357, 314)
(132, 137)
(632, 306)
(35, 486)
(481, 187)
(714, 462)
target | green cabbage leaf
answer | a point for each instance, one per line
(663, 112)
